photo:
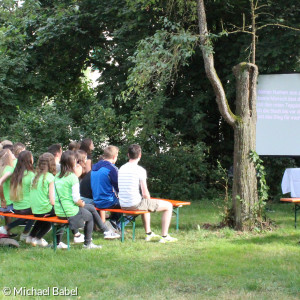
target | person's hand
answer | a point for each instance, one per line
(3, 204)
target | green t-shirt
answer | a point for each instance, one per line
(24, 201)
(63, 186)
(39, 196)
(6, 184)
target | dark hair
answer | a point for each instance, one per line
(73, 146)
(134, 151)
(18, 148)
(67, 163)
(46, 163)
(7, 146)
(85, 146)
(54, 149)
(24, 164)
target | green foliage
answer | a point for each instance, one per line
(43, 126)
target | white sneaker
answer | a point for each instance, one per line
(41, 242)
(167, 239)
(62, 245)
(151, 236)
(3, 230)
(29, 239)
(109, 235)
(92, 246)
(79, 239)
(24, 236)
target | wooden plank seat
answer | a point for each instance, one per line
(130, 216)
(296, 201)
(56, 224)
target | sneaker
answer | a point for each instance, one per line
(92, 246)
(109, 235)
(151, 236)
(167, 239)
(24, 236)
(39, 242)
(79, 239)
(3, 230)
(62, 245)
(29, 239)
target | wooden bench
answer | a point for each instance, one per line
(296, 201)
(135, 213)
(55, 222)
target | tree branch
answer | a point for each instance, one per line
(210, 69)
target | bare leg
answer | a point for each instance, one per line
(102, 216)
(146, 222)
(167, 209)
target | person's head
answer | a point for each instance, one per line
(81, 157)
(25, 163)
(111, 153)
(74, 146)
(17, 148)
(46, 163)
(134, 151)
(67, 163)
(6, 159)
(6, 142)
(87, 145)
(8, 146)
(55, 150)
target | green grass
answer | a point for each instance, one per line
(203, 264)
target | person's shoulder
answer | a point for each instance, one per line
(50, 177)
(8, 169)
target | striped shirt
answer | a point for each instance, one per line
(129, 179)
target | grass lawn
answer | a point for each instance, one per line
(203, 264)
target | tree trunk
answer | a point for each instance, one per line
(244, 179)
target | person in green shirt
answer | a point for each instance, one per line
(68, 204)
(20, 183)
(42, 200)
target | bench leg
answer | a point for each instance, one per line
(54, 236)
(176, 212)
(68, 237)
(122, 227)
(297, 207)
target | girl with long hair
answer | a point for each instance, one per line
(42, 200)
(20, 183)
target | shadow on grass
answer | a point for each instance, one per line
(291, 239)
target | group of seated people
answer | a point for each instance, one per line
(67, 185)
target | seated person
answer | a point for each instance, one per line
(132, 178)
(104, 182)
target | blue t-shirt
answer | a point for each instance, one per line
(104, 183)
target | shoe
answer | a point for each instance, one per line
(110, 235)
(79, 239)
(29, 239)
(39, 242)
(92, 246)
(3, 230)
(151, 236)
(24, 236)
(167, 239)
(62, 245)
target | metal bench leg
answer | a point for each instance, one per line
(68, 237)
(54, 236)
(297, 207)
(133, 228)
(122, 227)
(176, 212)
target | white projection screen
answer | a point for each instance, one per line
(278, 115)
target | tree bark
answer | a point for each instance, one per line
(244, 191)
(243, 122)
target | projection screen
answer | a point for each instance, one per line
(278, 115)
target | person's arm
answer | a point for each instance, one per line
(145, 191)
(76, 195)
(51, 193)
(113, 176)
(4, 177)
